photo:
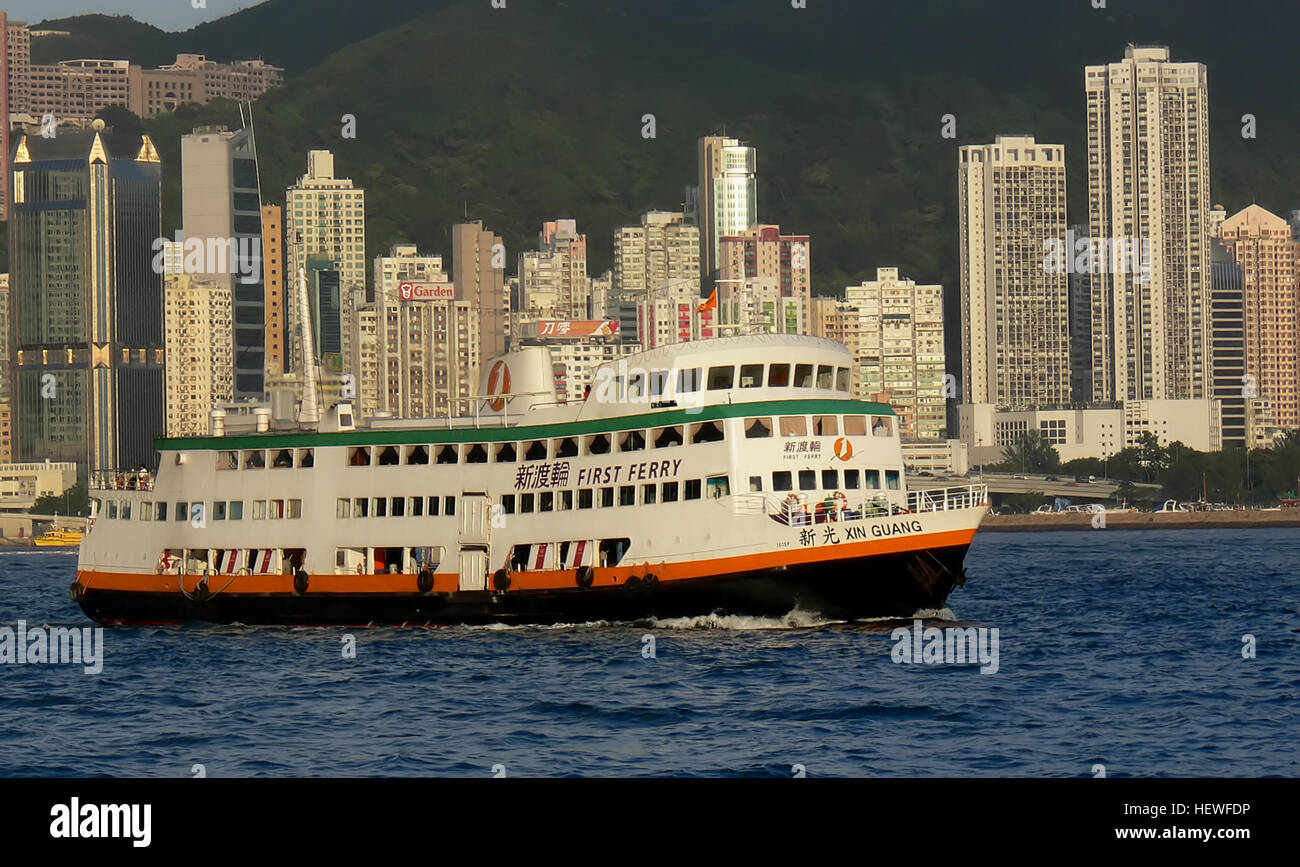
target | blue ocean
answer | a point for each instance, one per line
(1120, 652)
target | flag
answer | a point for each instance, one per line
(710, 304)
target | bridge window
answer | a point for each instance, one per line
(807, 480)
(852, 480)
(778, 376)
(825, 425)
(477, 454)
(842, 382)
(794, 426)
(873, 479)
(227, 461)
(634, 441)
(722, 377)
(688, 380)
(536, 451)
(692, 489)
(803, 376)
(448, 454)
(388, 457)
(255, 460)
(706, 432)
(855, 425)
(667, 437)
(756, 484)
(751, 376)
(830, 480)
(825, 376)
(568, 448)
(417, 456)
(892, 479)
(506, 454)
(719, 486)
(758, 428)
(782, 481)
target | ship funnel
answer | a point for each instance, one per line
(518, 381)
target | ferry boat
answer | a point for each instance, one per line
(59, 537)
(735, 475)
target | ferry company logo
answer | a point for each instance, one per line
(498, 383)
(843, 449)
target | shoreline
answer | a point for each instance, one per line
(1141, 521)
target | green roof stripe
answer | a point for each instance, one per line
(617, 424)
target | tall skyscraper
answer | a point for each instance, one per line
(200, 364)
(1261, 243)
(1015, 339)
(1149, 183)
(662, 250)
(478, 260)
(1228, 342)
(222, 207)
(86, 303)
(273, 275)
(554, 278)
(726, 202)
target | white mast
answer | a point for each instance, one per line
(309, 411)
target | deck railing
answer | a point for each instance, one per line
(796, 509)
(121, 480)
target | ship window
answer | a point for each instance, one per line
(688, 380)
(634, 441)
(568, 448)
(880, 427)
(381, 507)
(842, 379)
(782, 481)
(658, 382)
(508, 504)
(227, 461)
(756, 484)
(721, 377)
(546, 501)
(112, 508)
(161, 511)
(306, 458)
(399, 507)
(536, 451)
(892, 479)
(417, 455)
(648, 493)
(807, 480)
(448, 454)
(219, 510)
(873, 479)
(449, 506)
(830, 480)
(236, 512)
(566, 500)
(803, 376)
(825, 425)
(706, 432)
(361, 507)
(778, 376)
(343, 508)
(126, 510)
(477, 454)
(182, 511)
(852, 480)
(388, 457)
(417, 507)
(359, 456)
(670, 492)
(259, 510)
(825, 376)
(433, 507)
(606, 498)
(758, 428)
(612, 551)
(692, 489)
(627, 495)
(506, 454)
(283, 459)
(526, 503)
(794, 426)
(275, 509)
(719, 486)
(255, 460)
(751, 376)
(348, 561)
(665, 437)
(855, 425)
(146, 511)
(584, 498)
(598, 444)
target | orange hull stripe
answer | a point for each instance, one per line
(553, 579)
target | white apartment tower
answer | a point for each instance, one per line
(325, 216)
(554, 279)
(727, 197)
(1015, 339)
(199, 349)
(662, 251)
(1149, 181)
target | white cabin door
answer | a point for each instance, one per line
(475, 523)
(473, 568)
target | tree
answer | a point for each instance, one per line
(75, 502)
(1031, 454)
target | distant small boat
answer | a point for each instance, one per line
(59, 537)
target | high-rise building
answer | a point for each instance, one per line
(554, 278)
(200, 370)
(1080, 325)
(194, 78)
(75, 91)
(768, 274)
(663, 249)
(1228, 342)
(900, 349)
(1015, 339)
(86, 303)
(222, 208)
(1149, 184)
(478, 261)
(726, 201)
(836, 319)
(1261, 243)
(273, 275)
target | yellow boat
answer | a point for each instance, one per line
(60, 537)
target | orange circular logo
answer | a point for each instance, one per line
(843, 448)
(499, 383)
